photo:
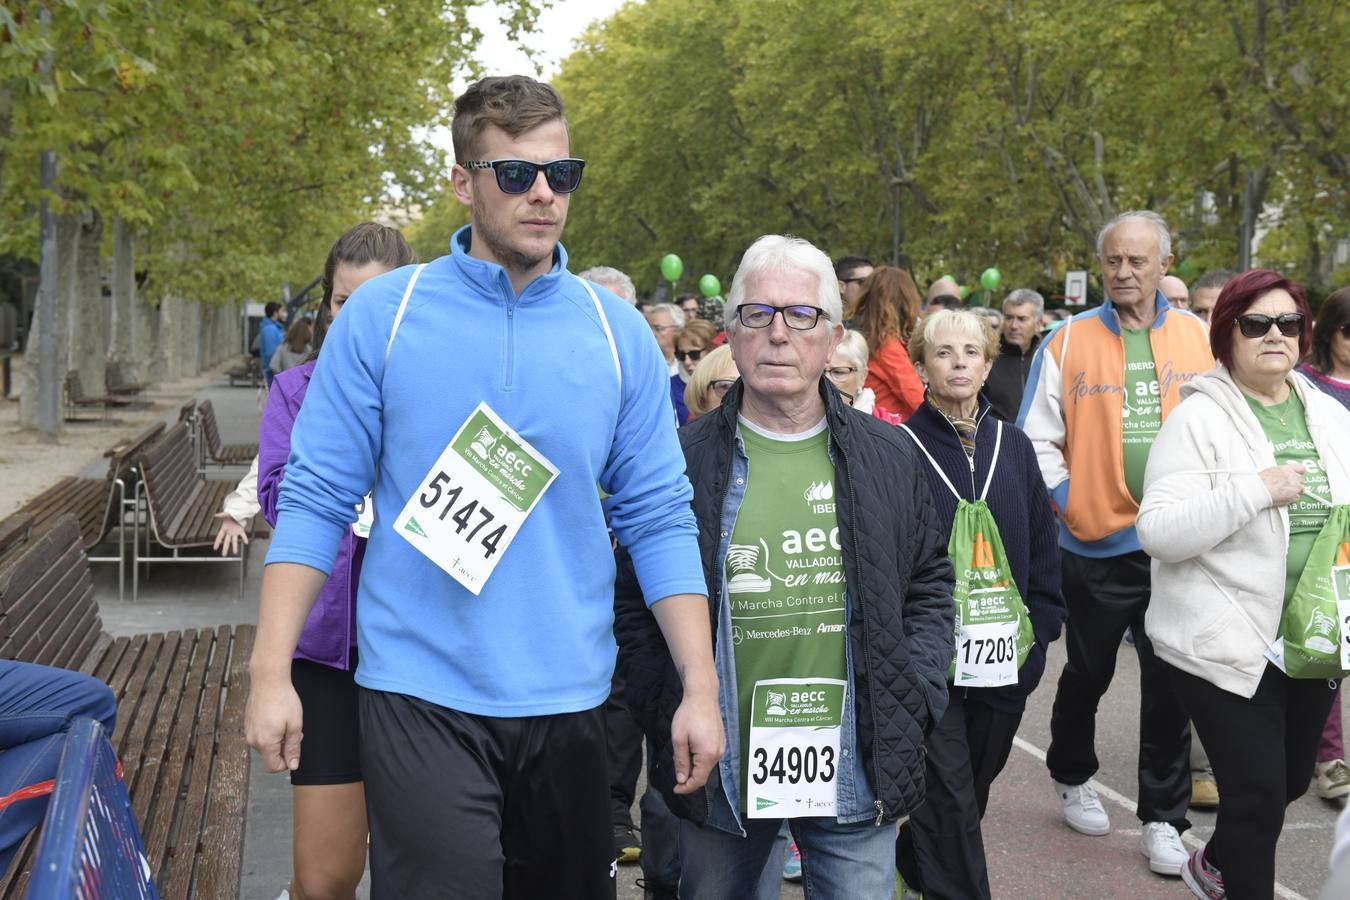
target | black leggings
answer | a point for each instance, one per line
(1262, 751)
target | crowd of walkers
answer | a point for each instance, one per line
(802, 551)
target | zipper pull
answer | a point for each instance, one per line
(881, 811)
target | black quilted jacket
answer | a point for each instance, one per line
(899, 584)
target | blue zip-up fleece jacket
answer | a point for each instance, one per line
(538, 640)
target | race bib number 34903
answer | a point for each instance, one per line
(794, 747)
(474, 500)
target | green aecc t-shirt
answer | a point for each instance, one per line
(785, 569)
(1286, 427)
(1141, 414)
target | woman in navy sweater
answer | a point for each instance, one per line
(940, 850)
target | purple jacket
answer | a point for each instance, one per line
(330, 630)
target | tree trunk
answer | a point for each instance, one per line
(67, 228)
(170, 355)
(146, 337)
(89, 308)
(124, 325)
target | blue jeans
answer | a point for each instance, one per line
(661, 848)
(37, 705)
(854, 861)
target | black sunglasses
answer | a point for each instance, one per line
(695, 355)
(516, 176)
(1255, 325)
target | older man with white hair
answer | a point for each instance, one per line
(832, 647)
(1100, 387)
(614, 279)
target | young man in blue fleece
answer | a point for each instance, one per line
(481, 398)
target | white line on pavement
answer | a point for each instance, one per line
(1121, 800)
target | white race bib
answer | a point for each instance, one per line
(474, 500)
(793, 766)
(1340, 583)
(365, 517)
(986, 654)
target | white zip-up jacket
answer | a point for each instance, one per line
(1218, 542)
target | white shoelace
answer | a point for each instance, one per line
(1088, 799)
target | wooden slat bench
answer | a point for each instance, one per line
(77, 399)
(246, 374)
(216, 451)
(14, 531)
(98, 503)
(181, 505)
(117, 385)
(180, 699)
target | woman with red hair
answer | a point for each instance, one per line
(887, 308)
(1239, 484)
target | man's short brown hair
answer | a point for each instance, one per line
(514, 103)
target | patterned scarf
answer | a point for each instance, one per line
(965, 428)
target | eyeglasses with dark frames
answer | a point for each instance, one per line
(1255, 325)
(516, 176)
(721, 386)
(797, 317)
(838, 372)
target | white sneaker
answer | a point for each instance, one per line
(1162, 845)
(1083, 812)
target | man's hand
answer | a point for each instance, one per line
(272, 723)
(698, 739)
(229, 536)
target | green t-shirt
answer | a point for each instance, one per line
(785, 570)
(1286, 428)
(1141, 416)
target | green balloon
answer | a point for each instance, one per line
(1186, 269)
(964, 291)
(991, 278)
(709, 286)
(947, 277)
(672, 267)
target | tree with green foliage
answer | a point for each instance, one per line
(958, 136)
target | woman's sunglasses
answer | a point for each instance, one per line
(1254, 325)
(516, 176)
(695, 355)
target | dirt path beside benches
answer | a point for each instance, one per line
(29, 465)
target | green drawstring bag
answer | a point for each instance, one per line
(1313, 627)
(993, 630)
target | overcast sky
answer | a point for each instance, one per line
(558, 27)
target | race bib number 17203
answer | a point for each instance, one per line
(475, 498)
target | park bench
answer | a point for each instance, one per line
(117, 385)
(77, 400)
(180, 714)
(181, 507)
(246, 374)
(14, 531)
(218, 452)
(98, 504)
